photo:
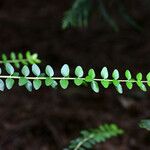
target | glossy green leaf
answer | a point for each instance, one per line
(91, 73)
(119, 88)
(22, 81)
(78, 81)
(37, 84)
(64, 83)
(148, 76)
(0, 71)
(25, 71)
(49, 71)
(139, 76)
(36, 70)
(9, 83)
(54, 84)
(115, 74)
(35, 58)
(4, 58)
(48, 81)
(23, 61)
(143, 87)
(148, 83)
(116, 82)
(29, 86)
(95, 86)
(88, 79)
(128, 74)
(79, 71)
(29, 57)
(9, 68)
(2, 85)
(104, 73)
(105, 83)
(65, 70)
(13, 58)
(129, 85)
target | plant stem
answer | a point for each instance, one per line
(83, 141)
(64, 78)
(13, 61)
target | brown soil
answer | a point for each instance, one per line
(47, 119)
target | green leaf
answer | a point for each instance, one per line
(9, 83)
(139, 83)
(35, 58)
(95, 86)
(148, 76)
(139, 76)
(145, 124)
(2, 85)
(65, 70)
(116, 82)
(115, 74)
(29, 86)
(143, 87)
(0, 71)
(54, 84)
(9, 68)
(148, 83)
(78, 81)
(79, 71)
(22, 81)
(88, 79)
(104, 73)
(23, 61)
(48, 81)
(49, 71)
(37, 84)
(91, 73)
(64, 83)
(13, 58)
(128, 74)
(25, 71)
(4, 58)
(29, 57)
(36, 70)
(129, 85)
(119, 88)
(105, 83)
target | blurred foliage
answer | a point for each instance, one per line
(81, 12)
(88, 138)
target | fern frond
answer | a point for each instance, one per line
(107, 17)
(82, 10)
(89, 138)
(36, 76)
(18, 59)
(145, 124)
(78, 15)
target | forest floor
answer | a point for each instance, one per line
(48, 119)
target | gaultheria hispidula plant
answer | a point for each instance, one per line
(33, 77)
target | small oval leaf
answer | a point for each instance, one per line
(49, 71)
(65, 70)
(64, 83)
(79, 71)
(36, 70)
(115, 74)
(25, 71)
(9, 68)
(104, 73)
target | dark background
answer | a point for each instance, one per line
(48, 119)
